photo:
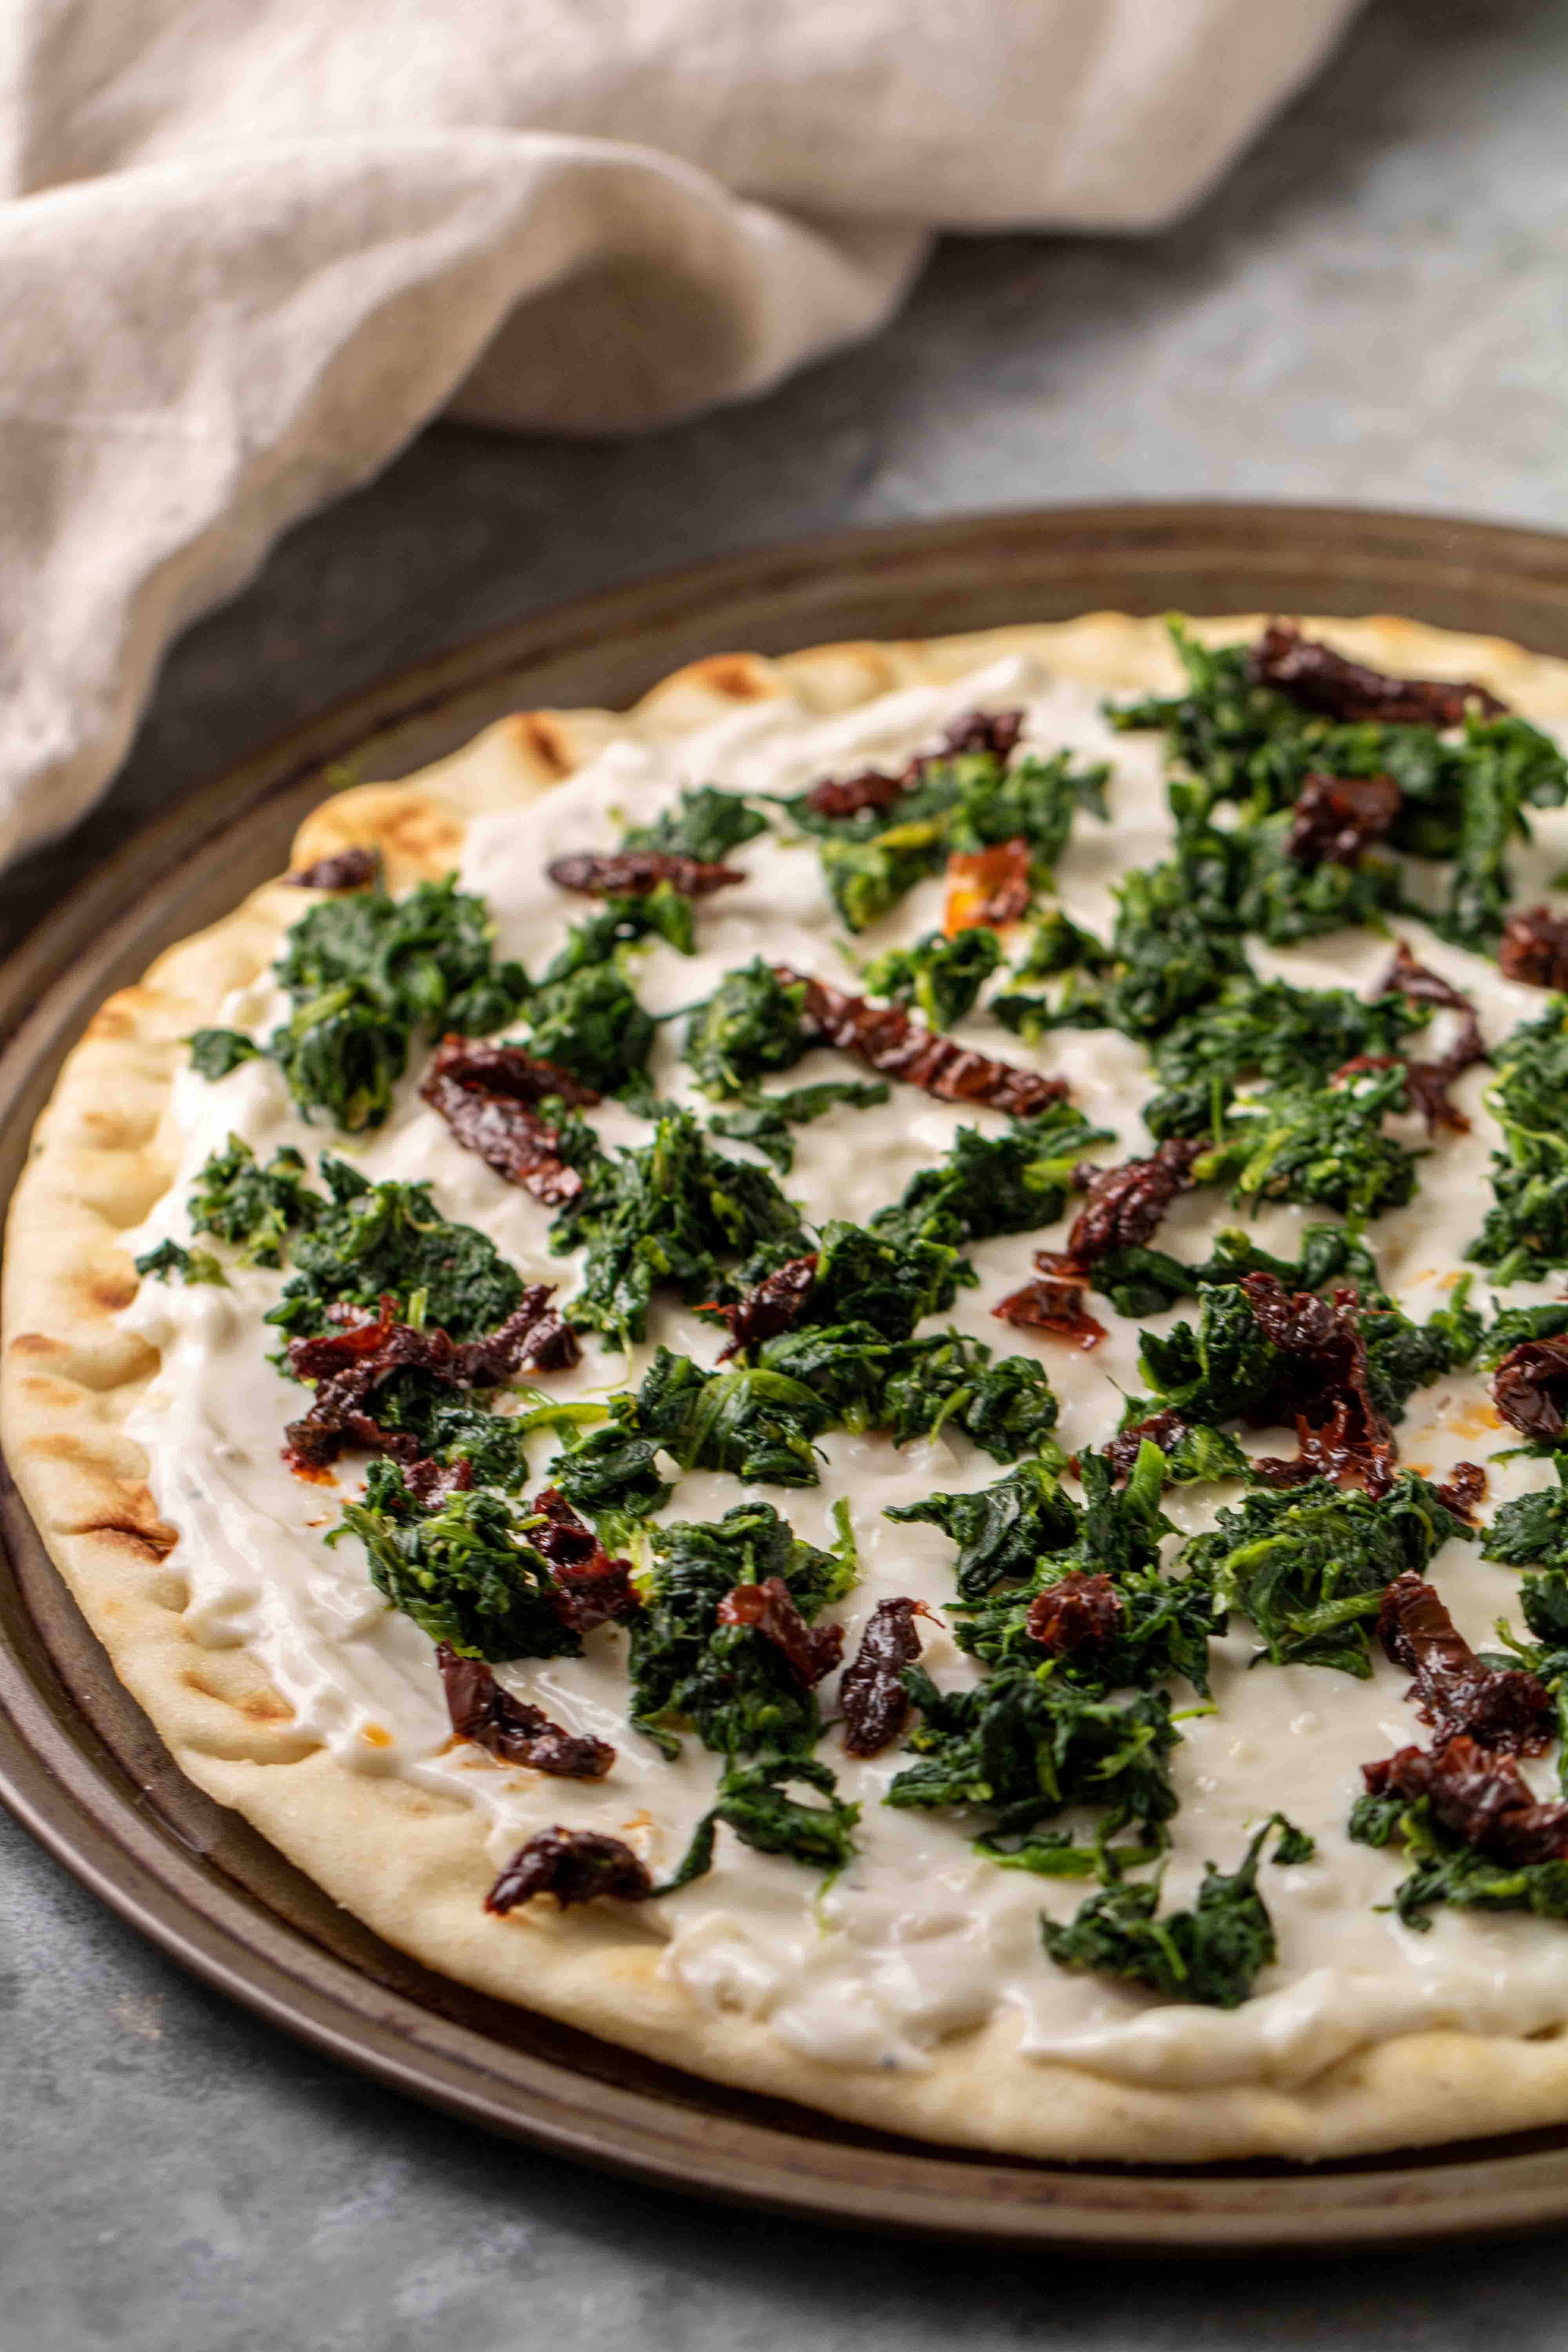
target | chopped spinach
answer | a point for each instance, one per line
(1309, 1565)
(171, 1258)
(1211, 1954)
(466, 1573)
(750, 1027)
(1447, 1870)
(1006, 1408)
(727, 1682)
(592, 1024)
(1001, 1531)
(215, 1052)
(994, 1183)
(866, 879)
(1533, 1530)
(255, 1207)
(1270, 1032)
(364, 972)
(1026, 1744)
(1321, 1145)
(1166, 1623)
(941, 977)
(766, 1121)
(706, 824)
(751, 1802)
(1174, 945)
(1525, 1235)
(668, 1213)
(391, 1237)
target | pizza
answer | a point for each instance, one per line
(859, 1379)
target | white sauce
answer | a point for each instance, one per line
(921, 1937)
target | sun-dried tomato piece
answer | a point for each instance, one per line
(488, 1096)
(1165, 1429)
(1534, 947)
(631, 873)
(871, 1693)
(988, 888)
(847, 796)
(1313, 675)
(1052, 1304)
(888, 1042)
(576, 1867)
(1530, 1387)
(1482, 1797)
(996, 731)
(809, 1651)
(1407, 977)
(1124, 1205)
(1321, 1390)
(593, 1587)
(512, 1729)
(1081, 1613)
(1463, 1489)
(1429, 1081)
(1336, 817)
(1501, 1708)
(351, 1363)
(435, 1483)
(774, 1304)
(350, 869)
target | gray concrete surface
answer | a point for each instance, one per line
(1372, 308)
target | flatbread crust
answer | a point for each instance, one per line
(412, 1864)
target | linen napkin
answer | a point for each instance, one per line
(250, 246)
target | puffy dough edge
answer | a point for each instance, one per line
(412, 1865)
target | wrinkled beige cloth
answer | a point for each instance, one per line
(248, 246)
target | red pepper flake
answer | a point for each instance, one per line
(1482, 1797)
(1124, 1205)
(1081, 1613)
(769, 1609)
(511, 1729)
(1530, 1387)
(488, 1096)
(1338, 817)
(576, 1867)
(871, 1692)
(888, 1042)
(776, 1303)
(348, 1365)
(631, 873)
(1313, 675)
(988, 888)
(1534, 947)
(1053, 1305)
(1502, 1709)
(351, 869)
